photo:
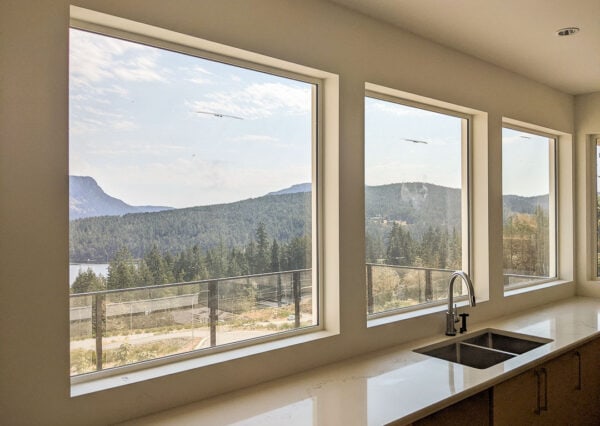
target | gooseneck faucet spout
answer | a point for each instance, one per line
(451, 316)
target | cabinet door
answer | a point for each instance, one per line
(473, 411)
(588, 399)
(563, 391)
(515, 401)
(562, 385)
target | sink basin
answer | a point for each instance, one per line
(466, 354)
(484, 348)
(507, 343)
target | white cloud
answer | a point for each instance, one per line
(123, 125)
(256, 138)
(258, 101)
(86, 119)
(199, 80)
(95, 58)
(396, 109)
(198, 69)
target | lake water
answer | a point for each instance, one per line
(74, 268)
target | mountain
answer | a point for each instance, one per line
(299, 187)
(415, 204)
(517, 204)
(227, 225)
(87, 199)
(284, 214)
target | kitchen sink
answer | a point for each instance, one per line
(508, 343)
(484, 348)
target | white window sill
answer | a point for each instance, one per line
(418, 311)
(515, 291)
(95, 382)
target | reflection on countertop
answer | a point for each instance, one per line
(395, 384)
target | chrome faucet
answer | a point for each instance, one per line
(451, 316)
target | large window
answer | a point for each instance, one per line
(193, 200)
(416, 202)
(529, 206)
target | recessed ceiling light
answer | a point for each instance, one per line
(563, 32)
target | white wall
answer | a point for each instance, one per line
(34, 340)
(587, 120)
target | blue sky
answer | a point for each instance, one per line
(391, 156)
(525, 163)
(135, 128)
(406, 144)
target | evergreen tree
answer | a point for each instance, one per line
(261, 261)
(454, 251)
(143, 276)
(215, 261)
(250, 254)
(274, 256)
(297, 254)
(157, 266)
(235, 263)
(87, 282)
(400, 248)
(542, 267)
(442, 255)
(169, 262)
(121, 270)
(181, 266)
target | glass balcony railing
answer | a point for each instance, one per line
(113, 328)
(518, 280)
(391, 287)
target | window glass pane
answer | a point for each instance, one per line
(528, 207)
(413, 212)
(191, 203)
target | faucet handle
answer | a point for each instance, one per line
(463, 326)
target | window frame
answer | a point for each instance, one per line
(553, 218)
(466, 195)
(188, 45)
(594, 147)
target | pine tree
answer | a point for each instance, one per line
(400, 248)
(157, 266)
(261, 261)
(88, 281)
(143, 277)
(275, 257)
(121, 270)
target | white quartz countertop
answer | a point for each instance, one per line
(396, 384)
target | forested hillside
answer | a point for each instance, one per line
(514, 204)
(231, 225)
(414, 224)
(419, 207)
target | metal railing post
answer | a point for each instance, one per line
(98, 325)
(428, 286)
(279, 292)
(213, 305)
(297, 295)
(369, 289)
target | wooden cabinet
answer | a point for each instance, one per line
(562, 391)
(514, 401)
(588, 400)
(472, 411)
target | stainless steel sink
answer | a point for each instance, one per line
(502, 341)
(484, 348)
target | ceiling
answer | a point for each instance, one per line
(518, 35)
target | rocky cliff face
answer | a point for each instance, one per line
(87, 199)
